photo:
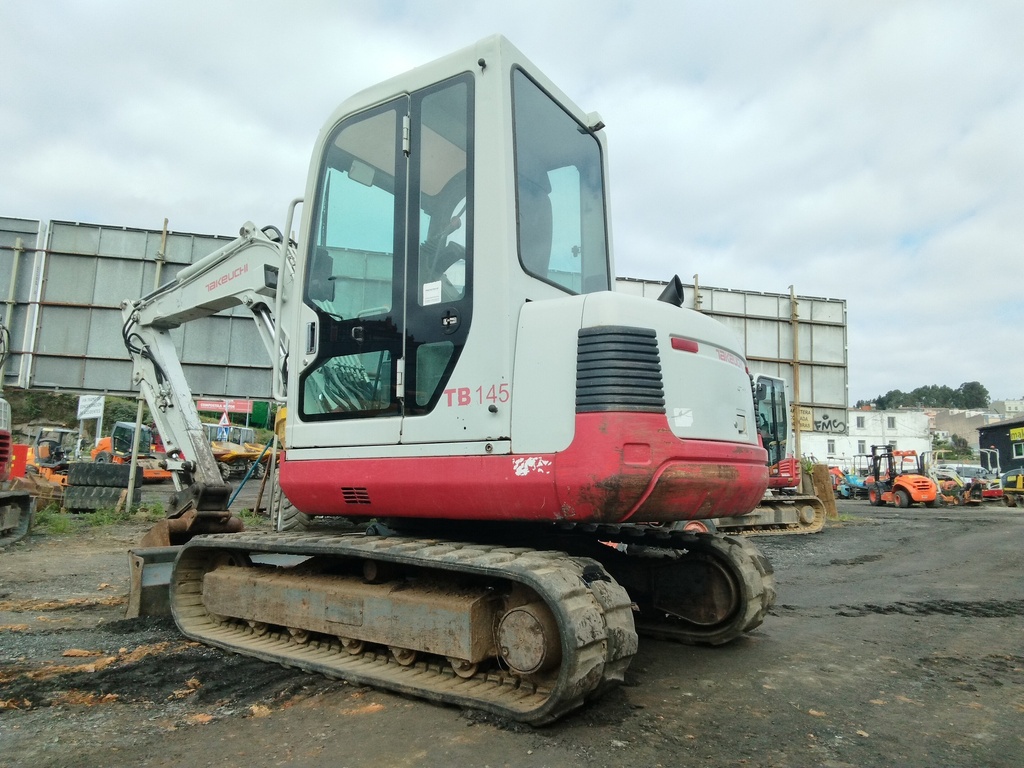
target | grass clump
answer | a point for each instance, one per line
(54, 521)
(51, 520)
(149, 513)
(103, 517)
(252, 520)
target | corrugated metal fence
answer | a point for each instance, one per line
(65, 282)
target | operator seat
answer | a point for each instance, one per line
(535, 224)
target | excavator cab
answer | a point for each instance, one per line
(773, 430)
(772, 420)
(390, 290)
(122, 436)
(458, 325)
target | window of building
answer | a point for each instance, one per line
(890, 422)
(1018, 450)
(831, 446)
(862, 446)
(892, 443)
(860, 423)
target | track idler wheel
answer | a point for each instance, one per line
(700, 589)
(528, 639)
(709, 593)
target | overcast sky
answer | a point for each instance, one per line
(868, 151)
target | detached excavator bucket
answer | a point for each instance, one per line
(150, 564)
(45, 491)
(150, 569)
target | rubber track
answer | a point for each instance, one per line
(595, 621)
(753, 572)
(758, 529)
(26, 516)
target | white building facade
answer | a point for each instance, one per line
(1009, 409)
(904, 430)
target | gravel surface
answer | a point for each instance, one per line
(897, 639)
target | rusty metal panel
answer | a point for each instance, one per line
(766, 338)
(72, 277)
(71, 303)
(443, 619)
(18, 241)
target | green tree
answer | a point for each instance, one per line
(971, 394)
(891, 400)
(961, 447)
(932, 396)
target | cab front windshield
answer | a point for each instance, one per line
(391, 263)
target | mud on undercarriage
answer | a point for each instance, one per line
(520, 631)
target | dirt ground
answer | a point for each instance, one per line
(897, 639)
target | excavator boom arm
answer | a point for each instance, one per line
(247, 272)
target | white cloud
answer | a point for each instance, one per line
(866, 151)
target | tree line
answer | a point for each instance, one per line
(970, 394)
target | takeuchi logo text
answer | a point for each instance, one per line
(227, 277)
(729, 357)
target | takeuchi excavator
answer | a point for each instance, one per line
(783, 510)
(458, 369)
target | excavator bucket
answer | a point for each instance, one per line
(150, 564)
(150, 570)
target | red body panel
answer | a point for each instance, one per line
(785, 474)
(619, 467)
(6, 456)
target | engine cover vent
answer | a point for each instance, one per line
(352, 495)
(618, 368)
